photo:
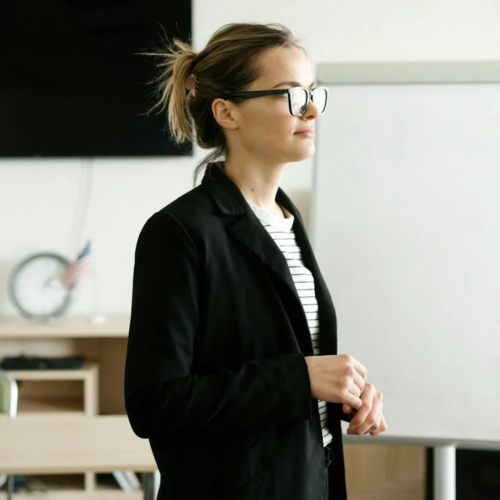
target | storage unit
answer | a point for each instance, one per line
(51, 401)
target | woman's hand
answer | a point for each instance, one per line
(369, 417)
(338, 378)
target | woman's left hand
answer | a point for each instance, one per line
(369, 417)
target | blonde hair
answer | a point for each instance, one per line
(228, 63)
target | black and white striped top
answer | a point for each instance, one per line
(282, 233)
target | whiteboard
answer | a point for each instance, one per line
(405, 226)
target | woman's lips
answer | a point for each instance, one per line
(307, 133)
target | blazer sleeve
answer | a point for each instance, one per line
(162, 397)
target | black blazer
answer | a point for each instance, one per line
(215, 374)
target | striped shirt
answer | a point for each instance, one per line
(282, 233)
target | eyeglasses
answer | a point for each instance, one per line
(298, 98)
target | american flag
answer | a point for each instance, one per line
(83, 265)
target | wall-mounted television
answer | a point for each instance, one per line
(74, 79)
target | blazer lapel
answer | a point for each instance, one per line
(251, 233)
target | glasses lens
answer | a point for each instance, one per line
(319, 98)
(298, 100)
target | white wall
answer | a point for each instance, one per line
(40, 199)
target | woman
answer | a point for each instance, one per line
(223, 372)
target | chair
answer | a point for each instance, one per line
(8, 405)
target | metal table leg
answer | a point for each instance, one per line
(445, 472)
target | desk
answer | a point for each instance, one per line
(444, 454)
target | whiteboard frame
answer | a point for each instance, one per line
(408, 72)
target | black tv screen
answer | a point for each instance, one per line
(74, 81)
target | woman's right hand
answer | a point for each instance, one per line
(337, 378)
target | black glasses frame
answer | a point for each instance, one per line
(260, 93)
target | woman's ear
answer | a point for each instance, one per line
(224, 113)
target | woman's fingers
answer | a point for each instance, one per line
(369, 412)
(347, 409)
(381, 428)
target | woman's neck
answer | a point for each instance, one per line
(257, 184)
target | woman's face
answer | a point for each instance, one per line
(263, 126)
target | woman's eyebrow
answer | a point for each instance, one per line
(292, 84)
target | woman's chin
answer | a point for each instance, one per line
(306, 152)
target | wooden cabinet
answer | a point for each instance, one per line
(384, 472)
(74, 415)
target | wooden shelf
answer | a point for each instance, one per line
(84, 401)
(71, 486)
(36, 417)
(88, 368)
(99, 494)
(71, 421)
(71, 444)
(51, 405)
(71, 326)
